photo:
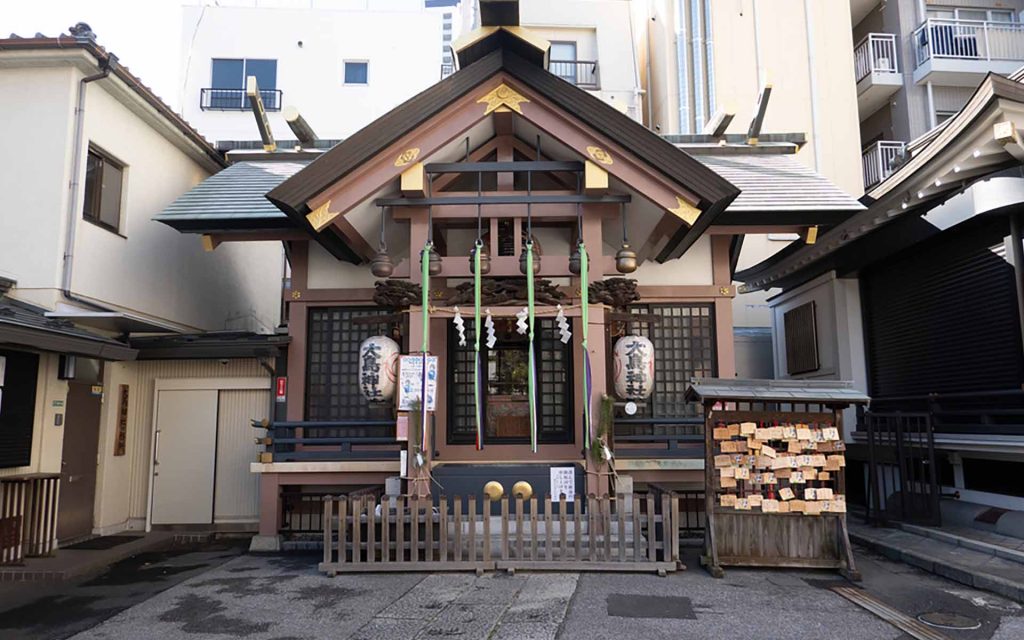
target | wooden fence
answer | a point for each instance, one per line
(28, 518)
(624, 533)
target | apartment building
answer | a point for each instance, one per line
(341, 64)
(918, 63)
(86, 278)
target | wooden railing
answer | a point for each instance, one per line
(300, 441)
(28, 518)
(625, 533)
(658, 437)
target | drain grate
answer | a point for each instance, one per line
(898, 619)
(623, 605)
(945, 620)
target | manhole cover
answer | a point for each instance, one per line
(639, 606)
(948, 620)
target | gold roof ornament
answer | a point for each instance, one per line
(321, 216)
(407, 156)
(600, 155)
(686, 211)
(502, 98)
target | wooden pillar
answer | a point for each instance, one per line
(597, 475)
(298, 326)
(725, 342)
(418, 477)
(270, 504)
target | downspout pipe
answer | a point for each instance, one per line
(106, 65)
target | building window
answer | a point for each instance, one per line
(227, 83)
(941, 116)
(104, 184)
(18, 376)
(357, 72)
(801, 339)
(506, 417)
(332, 366)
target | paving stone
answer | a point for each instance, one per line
(429, 597)
(493, 588)
(525, 631)
(546, 610)
(389, 629)
(464, 621)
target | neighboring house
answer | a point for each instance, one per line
(919, 300)
(918, 62)
(512, 135)
(341, 68)
(85, 272)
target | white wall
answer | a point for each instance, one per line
(603, 31)
(401, 42)
(147, 268)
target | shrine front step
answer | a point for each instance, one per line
(947, 557)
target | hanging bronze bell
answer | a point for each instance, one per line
(381, 265)
(625, 259)
(434, 265)
(575, 266)
(522, 261)
(485, 260)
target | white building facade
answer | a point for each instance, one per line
(342, 64)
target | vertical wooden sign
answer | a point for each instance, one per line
(121, 436)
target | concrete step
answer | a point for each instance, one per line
(982, 569)
(994, 544)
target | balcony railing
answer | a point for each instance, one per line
(447, 70)
(236, 100)
(581, 73)
(880, 160)
(659, 437)
(876, 53)
(968, 40)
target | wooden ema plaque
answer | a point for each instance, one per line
(776, 490)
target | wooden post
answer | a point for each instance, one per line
(328, 525)
(371, 529)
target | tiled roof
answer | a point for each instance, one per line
(233, 198)
(777, 182)
(836, 391)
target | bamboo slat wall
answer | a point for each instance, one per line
(28, 518)
(624, 533)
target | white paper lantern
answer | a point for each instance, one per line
(634, 368)
(378, 368)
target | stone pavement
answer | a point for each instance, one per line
(285, 598)
(279, 598)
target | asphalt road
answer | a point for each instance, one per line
(218, 594)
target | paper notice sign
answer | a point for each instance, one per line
(810, 493)
(747, 428)
(720, 433)
(786, 493)
(723, 460)
(770, 506)
(728, 482)
(728, 500)
(803, 433)
(830, 433)
(824, 494)
(742, 473)
(768, 451)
